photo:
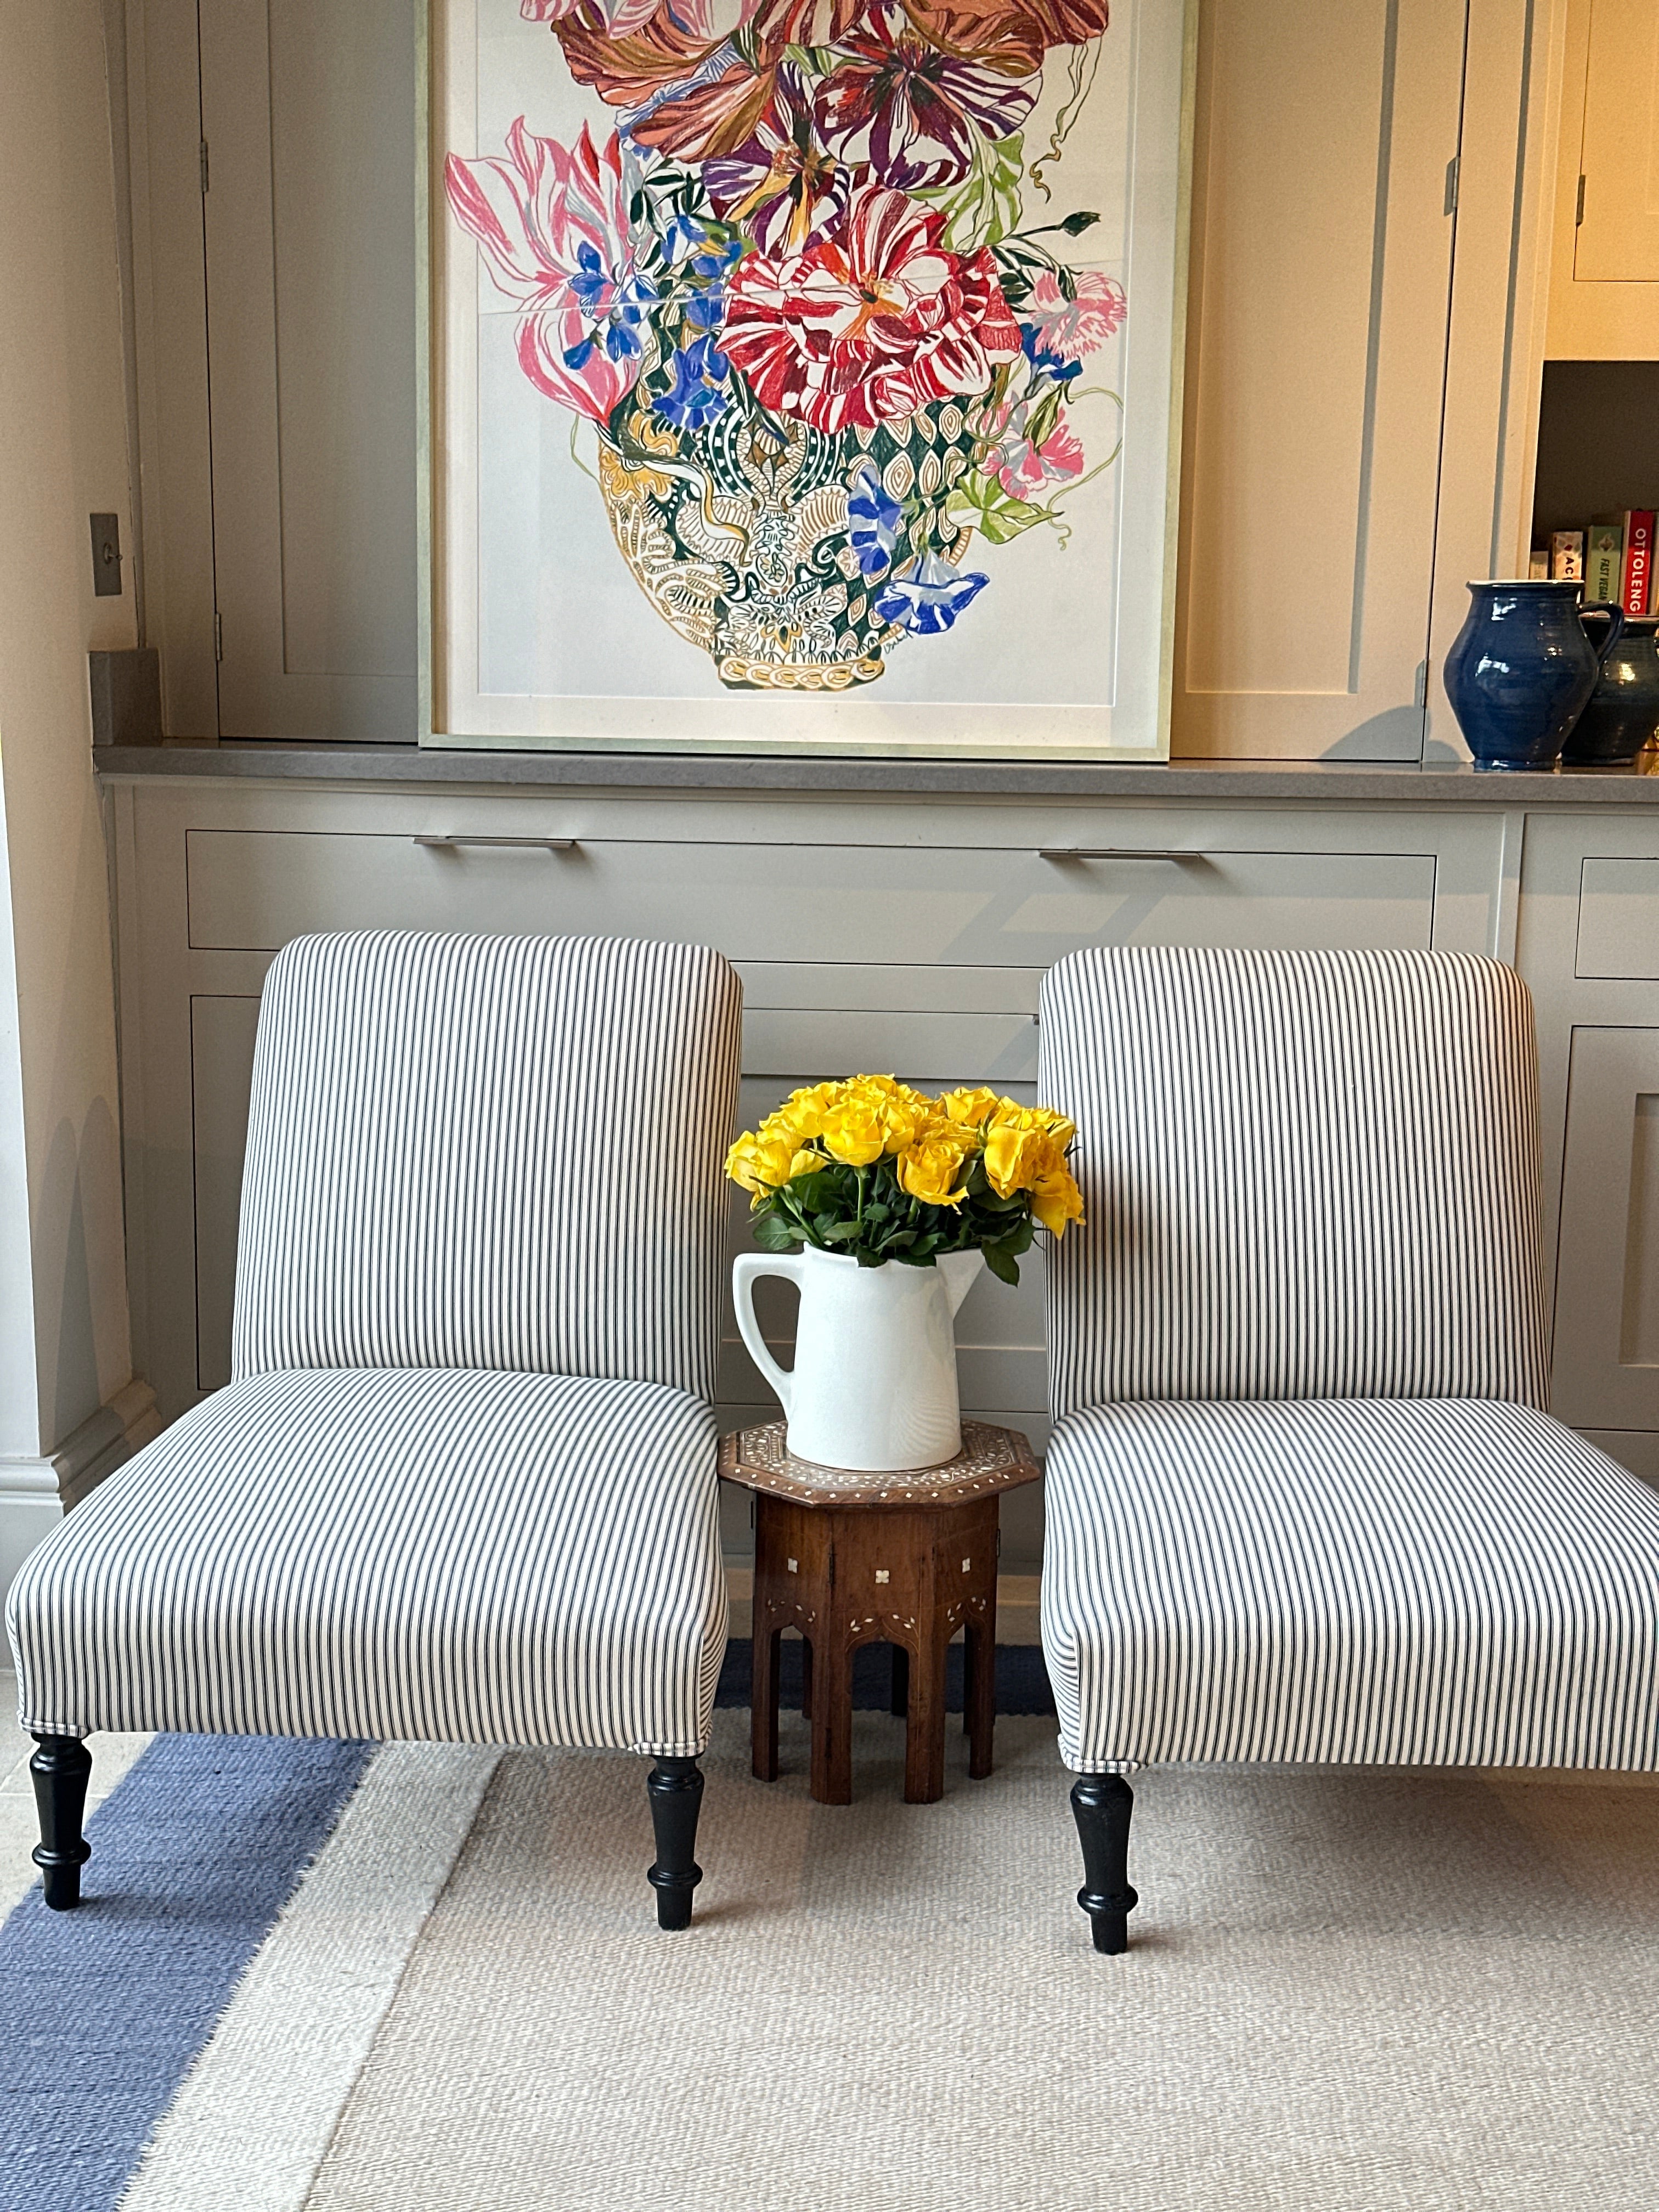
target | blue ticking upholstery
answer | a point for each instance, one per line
(463, 1484)
(1302, 1503)
(435, 1554)
(1382, 1582)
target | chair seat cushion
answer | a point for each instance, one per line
(1378, 1581)
(450, 1555)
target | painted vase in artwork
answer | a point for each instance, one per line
(796, 294)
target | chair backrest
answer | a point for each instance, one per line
(489, 1152)
(1307, 1174)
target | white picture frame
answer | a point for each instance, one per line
(536, 635)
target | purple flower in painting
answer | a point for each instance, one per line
(930, 598)
(911, 110)
(781, 184)
(873, 519)
(553, 225)
(700, 386)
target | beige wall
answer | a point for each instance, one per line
(63, 455)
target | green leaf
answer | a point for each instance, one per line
(1002, 1263)
(839, 1232)
(773, 1233)
(866, 1258)
(985, 206)
(979, 503)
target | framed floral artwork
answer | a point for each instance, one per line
(803, 373)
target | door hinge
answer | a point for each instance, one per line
(218, 636)
(1451, 184)
(1578, 213)
(1420, 685)
(203, 157)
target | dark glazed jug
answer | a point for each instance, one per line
(1521, 670)
(1622, 714)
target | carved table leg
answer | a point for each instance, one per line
(899, 1703)
(763, 1699)
(1103, 1805)
(675, 1787)
(924, 1738)
(979, 1699)
(832, 1724)
(60, 1769)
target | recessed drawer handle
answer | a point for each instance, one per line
(1118, 853)
(516, 844)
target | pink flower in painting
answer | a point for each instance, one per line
(1070, 328)
(1023, 465)
(870, 323)
(553, 225)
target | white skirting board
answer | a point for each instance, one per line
(35, 1493)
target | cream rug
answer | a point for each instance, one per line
(1346, 1993)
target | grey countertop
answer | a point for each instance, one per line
(1332, 781)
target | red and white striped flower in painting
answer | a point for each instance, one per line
(870, 323)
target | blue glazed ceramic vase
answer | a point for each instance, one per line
(1622, 714)
(1521, 669)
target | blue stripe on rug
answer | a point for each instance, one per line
(106, 2008)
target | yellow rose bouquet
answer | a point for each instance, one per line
(874, 1170)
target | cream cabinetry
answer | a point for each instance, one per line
(908, 935)
(1604, 291)
(1588, 945)
(1315, 375)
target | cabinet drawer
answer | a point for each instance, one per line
(1619, 920)
(986, 906)
(1606, 1290)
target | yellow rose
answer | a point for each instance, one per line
(972, 1109)
(1015, 1155)
(760, 1163)
(855, 1132)
(803, 1111)
(1056, 1200)
(928, 1170)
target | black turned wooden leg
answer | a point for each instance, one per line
(61, 1767)
(1102, 1804)
(675, 1786)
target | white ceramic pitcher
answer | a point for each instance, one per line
(874, 1383)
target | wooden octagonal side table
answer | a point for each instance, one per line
(851, 1558)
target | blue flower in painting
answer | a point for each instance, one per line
(873, 519)
(713, 267)
(1043, 361)
(930, 598)
(682, 236)
(617, 310)
(700, 390)
(705, 311)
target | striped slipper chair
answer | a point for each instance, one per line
(461, 1486)
(1304, 1502)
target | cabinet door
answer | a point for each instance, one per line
(1315, 371)
(1618, 240)
(1606, 1291)
(308, 117)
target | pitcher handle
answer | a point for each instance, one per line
(746, 1271)
(1615, 625)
